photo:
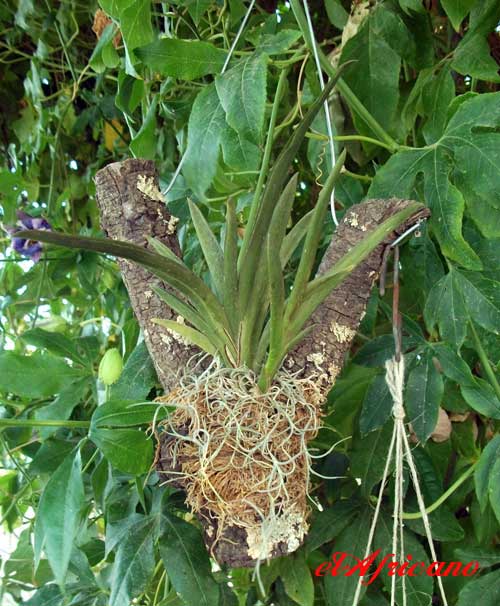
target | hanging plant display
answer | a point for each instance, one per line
(249, 308)
(237, 438)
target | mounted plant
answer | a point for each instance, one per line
(187, 89)
(237, 438)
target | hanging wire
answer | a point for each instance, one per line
(400, 451)
(328, 117)
(238, 36)
(224, 67)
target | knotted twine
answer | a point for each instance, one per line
(399, 448)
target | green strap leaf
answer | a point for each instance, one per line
(210, 247)
(320, 288)
(313, 237)
(254, 241)
(276, 281)
(186, 311)
(164, 250)
(190, 334)
(230, 290)
(173, 273)
(294, 237)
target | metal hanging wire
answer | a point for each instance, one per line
(328, 118)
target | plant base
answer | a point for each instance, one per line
(241, 456)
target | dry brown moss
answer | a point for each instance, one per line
(242, 455)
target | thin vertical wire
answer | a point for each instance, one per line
(328, 117)
(401, 523)
(238, 36)
(373, 526)
(224, 67)
(175, 175)
(425, 517)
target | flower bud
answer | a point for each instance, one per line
(111, 367)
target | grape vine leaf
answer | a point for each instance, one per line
(424, 392)
(483, 590)
(134, 563)
(340, 589)
(483, 472)
(377, 405)
(445, 306)
(186, 561)
(376, 82)
(186, 59)
(457, 10)
(297, 579)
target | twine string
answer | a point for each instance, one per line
(399, 449)
(425, 517)
(376, 515)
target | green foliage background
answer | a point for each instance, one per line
(419, 114)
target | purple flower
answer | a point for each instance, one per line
(28, 248)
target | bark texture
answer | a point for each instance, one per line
(132, 209)
(322, 353)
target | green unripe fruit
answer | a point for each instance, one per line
(111, 367)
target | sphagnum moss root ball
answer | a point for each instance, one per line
(241, 455)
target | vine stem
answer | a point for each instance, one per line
(364, 139)
(14, 502)
(43, 423)
(417, 515)
(484, 360)
(352, 100)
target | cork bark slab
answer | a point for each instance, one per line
(132, 209)
(322, 353)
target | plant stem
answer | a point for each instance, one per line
(485, 361)
(365, 178)
(14, 503)
(417, 515)
(362, 138)
(354, 103)
(43, 423)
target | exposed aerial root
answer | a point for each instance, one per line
(241, 455)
